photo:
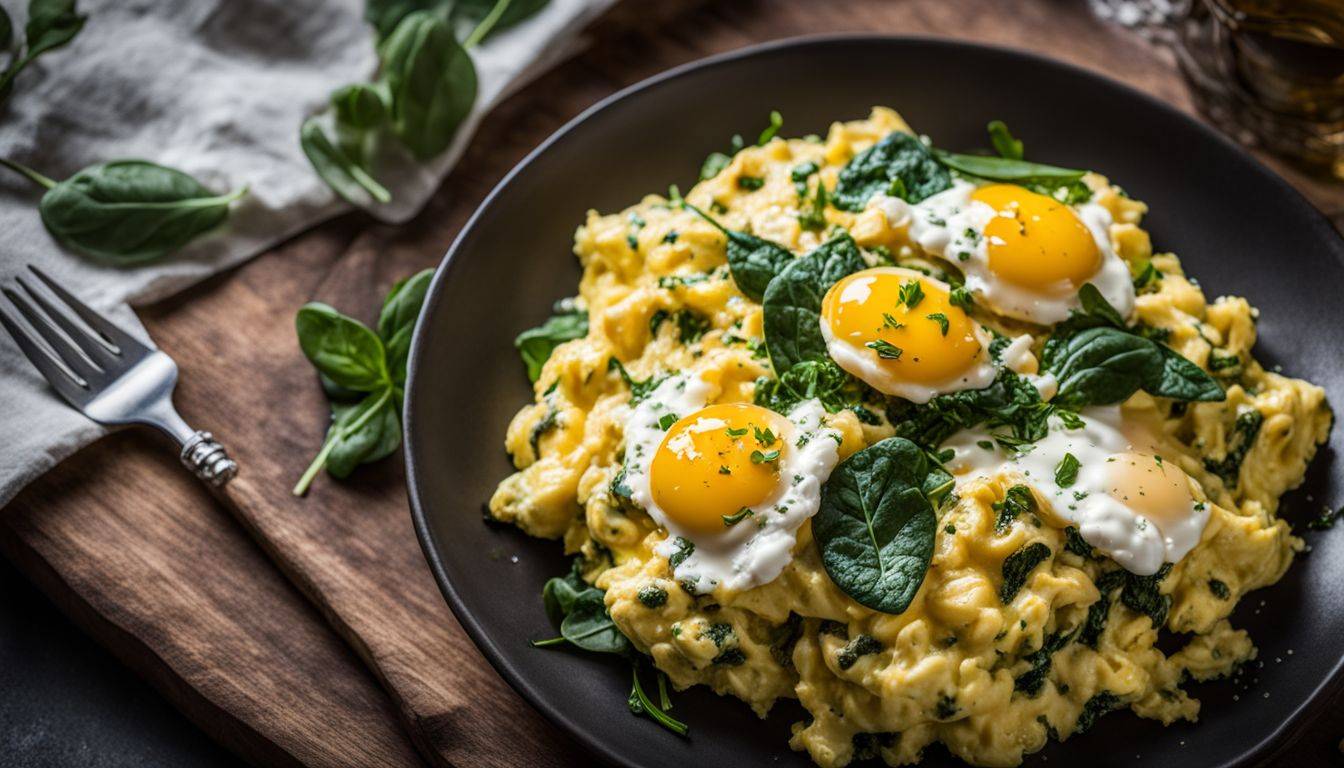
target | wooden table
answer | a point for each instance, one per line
(303, 664)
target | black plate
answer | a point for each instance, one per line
(1237, 226)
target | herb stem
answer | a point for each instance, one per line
(663, 698)
(376, 191)
(487, 24)
(25, 171)
(641, 704)
(549, 642)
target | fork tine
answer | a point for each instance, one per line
(126, 344)
(64, 349)
(75, 392)
(93, 347)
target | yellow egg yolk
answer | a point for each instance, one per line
(906, 322)
(1157, 489)
(716, 463)
(1036, 241)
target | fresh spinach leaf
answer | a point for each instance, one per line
(1018, 566)
(1101, 366)
(362, 432)
(362, 374)
(346, 177)
(1008, 169)
(900, 157)
(342, 348)
(638, 389)
(588, 626)
(640, 703)
(1010, 403)
(1003, 141)
(432, 82)
(560, 592)
(536, 345)
(361, 106)
(753, 261)
(127, 210)
(875, 527)
(1017, 501)
(51, 24)
(792, 301)
(396, 322)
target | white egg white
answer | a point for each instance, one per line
(950, 225)
(1139, 544)
(756, 550)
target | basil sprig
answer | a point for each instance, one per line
(876, 526)
(363, 372)
(51, 24)
(127, 210)
(1098, 360)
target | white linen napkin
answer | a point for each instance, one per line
(216, 88)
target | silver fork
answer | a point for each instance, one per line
(106, 373)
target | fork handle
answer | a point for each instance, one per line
(207, 459)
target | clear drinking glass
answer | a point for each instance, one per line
(1270, 73)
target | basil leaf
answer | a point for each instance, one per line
(345, 177)
(341, 348)
(131, 210)
(1101, 366)
(396, 322)
(1008, 169)
(792, 301)
(377, 435)
(432, 82)
(752, 261)
(536, 345)
(898, 157)
(361, 106)
(875, 527)
(590, 627)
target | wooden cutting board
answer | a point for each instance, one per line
(310, 631)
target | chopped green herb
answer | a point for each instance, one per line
(885, 349)
(941, 320)
(1066, 473)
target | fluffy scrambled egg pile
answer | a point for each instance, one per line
(1022, 629)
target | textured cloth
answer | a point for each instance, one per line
(217, 89)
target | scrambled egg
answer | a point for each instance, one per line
(951, 667)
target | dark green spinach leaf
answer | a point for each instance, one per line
(396, 322)
(342, 348)
(900, 157)
(127, 210)
(1018, 566)
(432, 82)
(875, 527)
(536, 345)
(51, 24)
(753, 261)
(346, 177)
(792, 301)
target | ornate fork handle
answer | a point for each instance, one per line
(207, 459)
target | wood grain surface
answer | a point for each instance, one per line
(167, 577)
